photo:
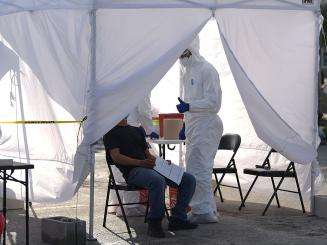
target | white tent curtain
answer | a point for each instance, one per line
(8, 60)
(275, 74)
(135, 48)
(53, 75)
(137, 42)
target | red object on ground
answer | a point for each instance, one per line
(2, 223)
(173, 198)
(164, 116)
(144, 196)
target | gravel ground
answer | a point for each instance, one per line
(286, 225)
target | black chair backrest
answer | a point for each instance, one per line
(269, 154)
(230, 142)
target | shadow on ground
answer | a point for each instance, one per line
(279, 226)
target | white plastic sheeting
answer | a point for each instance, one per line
(136, 43)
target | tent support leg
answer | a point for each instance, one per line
(316, 106)
(91, 211)
(92, 15)
(22, 111)
(312, 189)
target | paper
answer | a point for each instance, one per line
(170, 171)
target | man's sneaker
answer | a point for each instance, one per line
(177, 224)
(155, 229)
(203, 218)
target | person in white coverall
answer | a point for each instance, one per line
(200, 102)
(141, 116)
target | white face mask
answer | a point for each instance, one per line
(184, 61)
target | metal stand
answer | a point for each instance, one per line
(8, 177)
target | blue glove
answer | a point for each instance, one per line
(154, 135)
(181, 135)
(182, 106)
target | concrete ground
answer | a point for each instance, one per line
(286, 225)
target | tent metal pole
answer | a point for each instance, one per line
(91, 211)
(312, 168)
(92, 83)
(21, 103)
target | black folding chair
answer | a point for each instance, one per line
(228, 142)
(265, 170)
(112, 185)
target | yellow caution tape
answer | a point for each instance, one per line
(37, 122)
(42, 121)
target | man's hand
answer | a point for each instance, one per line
(149, 163)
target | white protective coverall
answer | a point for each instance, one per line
(200, 88)
(140, 116)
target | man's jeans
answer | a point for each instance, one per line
(156, 184)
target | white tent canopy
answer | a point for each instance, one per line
(12, 6)
(100, 58)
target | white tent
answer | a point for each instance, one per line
(99, 58)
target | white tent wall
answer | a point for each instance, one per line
(135, 48)
(8, 60)
(51, 153)
(282, 119)
(269, 70)
(56, 48)
(50, 66)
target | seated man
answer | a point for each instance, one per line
(127, 147)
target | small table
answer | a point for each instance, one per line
(162, 147)
(8, 177)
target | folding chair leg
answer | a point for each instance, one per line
(220, 193)
(239, 189)
(272, 197)
(247, 194)
(218, 188)
(274, 186)
(167, 214)
(299, 191)
(123, 211)
(106, 207)
(146, 211)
